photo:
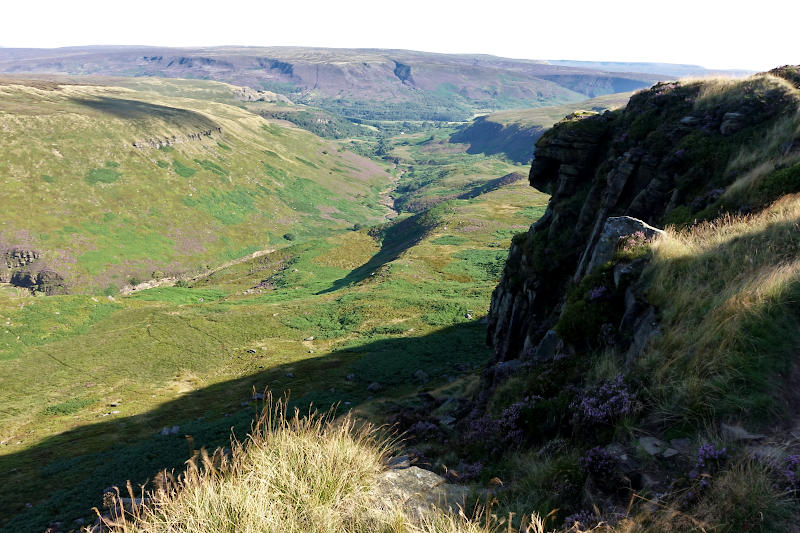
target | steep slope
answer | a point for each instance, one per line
(514, 133)
(360, 83)
(677, 151)
(104, 184)
(641, 365)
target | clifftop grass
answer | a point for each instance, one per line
(726, 291)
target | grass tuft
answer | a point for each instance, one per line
(294, 473)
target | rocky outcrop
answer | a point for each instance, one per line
(13, 259)
(174, 139)
(663, 159)
(22, 267)
(246, 94)
(614, 229)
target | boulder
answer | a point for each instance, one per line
(739, 434)
(731, 123)
(419, 490)
(398, 462)
(652, 445)
(614, 229)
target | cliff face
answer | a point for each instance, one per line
(671, 156)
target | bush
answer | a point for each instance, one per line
(289, 236)
(604, 403)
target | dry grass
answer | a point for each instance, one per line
(725, 290)
(293, 474)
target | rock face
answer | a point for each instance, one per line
(246, 94)
(613, 177)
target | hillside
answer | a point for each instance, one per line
(397, 305)
(160, 177)
(358, 83)
(665, 69)
(514, 133)
(643, 377)
(642, 332)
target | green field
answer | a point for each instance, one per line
(381, 303)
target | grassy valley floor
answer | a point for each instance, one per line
(99, 389)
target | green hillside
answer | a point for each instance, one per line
(127, 182)
(514, 132)
(381, 305)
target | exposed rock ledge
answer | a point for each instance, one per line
(645, 163)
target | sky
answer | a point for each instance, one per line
(728, 34)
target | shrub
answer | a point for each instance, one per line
(289, 236)
(590, 304)
(604, 403)
(600, 464)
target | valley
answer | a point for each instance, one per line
(598, 336)
(355, 311)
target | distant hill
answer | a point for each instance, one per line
(514, 132)
(668, 69)
(359, 83)
(105, 184)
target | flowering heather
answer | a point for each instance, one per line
(790, 477)
(600, 464)
(501, 432)
(787, 470)
(581, 520)
(598, 293)
(604, 403)
(709, 458)
(634, 244)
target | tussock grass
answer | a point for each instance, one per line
(727, 291)
(298, 473)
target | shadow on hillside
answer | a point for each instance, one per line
(396, 238)
(491, 185)
(491, 138)
(63, 482)
(136, 110)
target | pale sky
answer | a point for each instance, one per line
(755, 35)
